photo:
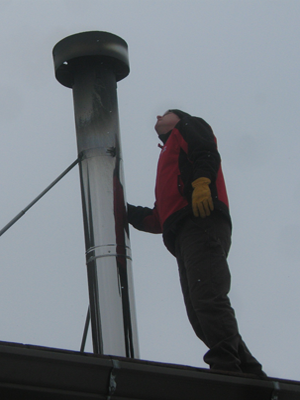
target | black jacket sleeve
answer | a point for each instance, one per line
(202, 147)
(143, 218)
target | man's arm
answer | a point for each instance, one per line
(202, 148)
(204, 156)
(143, 218)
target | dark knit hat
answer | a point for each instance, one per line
(180, 114)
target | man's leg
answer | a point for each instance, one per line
(192, 316)
(202, 246)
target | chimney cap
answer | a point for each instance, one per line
(103, 45)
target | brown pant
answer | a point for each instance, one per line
(202, 246)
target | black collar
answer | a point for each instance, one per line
(165, 136)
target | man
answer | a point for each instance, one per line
(192, 212)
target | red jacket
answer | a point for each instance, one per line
(189, 152)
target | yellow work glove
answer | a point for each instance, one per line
(201, 198)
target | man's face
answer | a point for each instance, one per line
(166, 122)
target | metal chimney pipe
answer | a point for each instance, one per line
(91, 63)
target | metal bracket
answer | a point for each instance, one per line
(275, 393)
(112, 386)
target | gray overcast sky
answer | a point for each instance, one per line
(235, 64)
